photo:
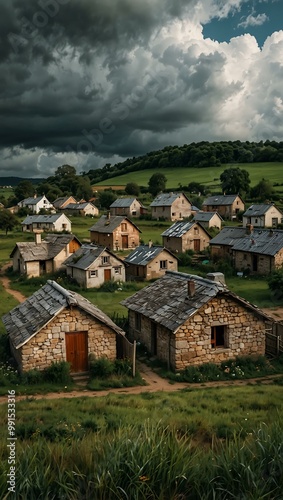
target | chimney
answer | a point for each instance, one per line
(249, 228)
(270, 232)
(37, 237)
(108, 215)
(191, 288)
(149, 243)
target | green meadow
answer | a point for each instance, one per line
(207, 176)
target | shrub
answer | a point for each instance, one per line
(123, 366)
(8, 375)
(101, 367)
(57, 372)
(275, 282)
(32, 377)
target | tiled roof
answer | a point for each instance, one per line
(84, 257)
(144, 254)
(29, 317)
(166, 199)
(41, 219)
(78, 206)
(178, 229)
(60, 201)
(258, 210)
(167, 302)
(123, 202)
(260, 241)
(31, 200)
(46, 250)
(205, 216)
(218, 199)
(107, 224)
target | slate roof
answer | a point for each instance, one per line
(31, 200)
(77, 206)
(107, 224)
(29, 317)
(123, 202)
(166, 199)
(61, 200)
(260, 241)
(46, 250)
(218, 199)
(144, 254)
(205, 216)
(167, 303)
(85, 256)
(41, 219)
(258, 210)
(179, 228)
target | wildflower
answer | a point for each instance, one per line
(144, 478)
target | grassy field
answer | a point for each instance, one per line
(221, 443)
(207, 176)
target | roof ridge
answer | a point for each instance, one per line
(66, 293)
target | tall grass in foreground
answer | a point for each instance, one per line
(149, 462)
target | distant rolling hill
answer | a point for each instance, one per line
(14, 181)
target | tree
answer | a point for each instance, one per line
(7, 220)
(23, 190)
(263, 190)
(84, 189)
(65, 171)
(157, 183)
(235, 180)
(132, 188)
(196, 187)
(106, 198)
(275, 283)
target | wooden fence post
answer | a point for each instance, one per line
(134, 358)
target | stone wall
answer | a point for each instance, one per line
(49, 344)
(191, 344)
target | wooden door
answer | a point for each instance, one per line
(77, 351)
(196, 245)
(124, 241)
(107, 274)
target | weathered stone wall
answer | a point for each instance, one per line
(191, 345)
(179, 209)
(245, 260)
(49, 344)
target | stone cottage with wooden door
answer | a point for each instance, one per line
(187, 320)
(91, 266)
(115, 233)
(171, 206)
(149, 262)
(263, 215)
(226, 205)
(54, 325)
(186, 235)
(131, 207)
(43, 256)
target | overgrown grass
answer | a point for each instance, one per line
(212, 444)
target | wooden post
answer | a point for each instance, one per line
(278, 345)
(134, 358)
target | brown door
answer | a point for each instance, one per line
(107, 274)
(125, 241)
(196, 245)
(76, 351)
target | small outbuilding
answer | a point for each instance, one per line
(171, 206)
(91, 266)
(55, 324)
(149, 262)
(85, 208)
(131, 207)
(186, 235)
(208, 219)
(115, 232)
(263, 215)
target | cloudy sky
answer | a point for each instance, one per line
(90, 82)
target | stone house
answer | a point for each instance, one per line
(188, 320)
(55, 325)
(228, 206)
(149, 262)
(61, 202)
(36, 203)
(48, 223)
(131, 207)
(85, 208)
(263, 215)
(255, 250)
(171, 206)
(115, 233)
(91, 266)
(186, 235)
(43, 256)
(209, 219)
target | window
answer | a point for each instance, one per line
(163, 264)
(255, 221)
(105, 259)
(173, 214)
(138, 321)
(92, 273)
(218, 336)
(195, 230)
(117, 270)
(134, 212)
(123, 226)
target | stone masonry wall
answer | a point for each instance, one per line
(49, 344)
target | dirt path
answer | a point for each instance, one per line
(6, 284)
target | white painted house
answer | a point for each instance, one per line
(36, 203)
